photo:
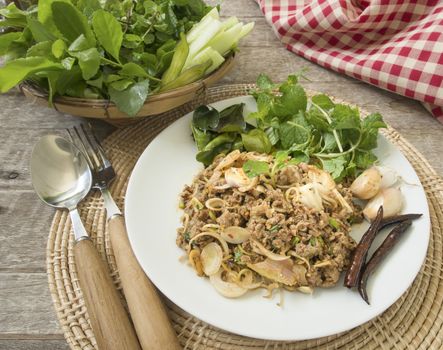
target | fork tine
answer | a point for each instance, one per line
(87, 143)
(100, 151)
(77, 141)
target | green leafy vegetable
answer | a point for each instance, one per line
(108, 32)
(131, 99)
(253, 168)
(294, 128)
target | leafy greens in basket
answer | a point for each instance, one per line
(112, 49)
(314, 130)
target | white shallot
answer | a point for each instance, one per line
(390, 198)
(260, 249)
(310, 196)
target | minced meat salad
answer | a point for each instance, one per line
(253, 220)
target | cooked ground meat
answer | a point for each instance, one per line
(297, 226)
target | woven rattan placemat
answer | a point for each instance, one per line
(415, 321)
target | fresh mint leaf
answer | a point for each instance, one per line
(345, 117)
(131, 100)
(323, 101)
(13, 72)
(205, 118)
(264, 82)
(108, 32)
(335, 166)
(272, 134)
(294, 133)
(364, 160)
(253, 168)
(373, 121)
(71, 22)
(298, 157)
(317, 119)
(293, 98)
(256, 141)
(329, 143)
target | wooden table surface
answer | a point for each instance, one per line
(27, 317)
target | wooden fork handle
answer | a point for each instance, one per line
(148, 314)
(109, 320)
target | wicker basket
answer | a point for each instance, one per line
(107, 111)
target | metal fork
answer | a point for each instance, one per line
(148, 314)
(102, 171)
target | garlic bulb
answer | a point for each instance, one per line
(367, 184)
(390, 198)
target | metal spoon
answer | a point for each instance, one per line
(62, 178)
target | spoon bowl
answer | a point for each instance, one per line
(60, 173)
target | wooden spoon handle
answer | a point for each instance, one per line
(109, 320)
(151, 322)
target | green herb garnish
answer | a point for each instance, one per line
(334, 223)
(295, 129)
(274, 228)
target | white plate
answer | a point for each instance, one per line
(152, 217)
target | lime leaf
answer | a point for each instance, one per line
(205, 118)
(108, 31)
(256, 140)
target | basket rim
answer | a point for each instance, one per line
(39, 92)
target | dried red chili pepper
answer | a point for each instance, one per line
(379, 254)
(361, 251)
(398, 218)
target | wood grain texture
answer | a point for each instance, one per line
(150, 319)
(27, 319)
(109, 320)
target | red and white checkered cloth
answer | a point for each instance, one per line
(396, 45)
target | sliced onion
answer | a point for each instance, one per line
(249, 186)
(211, 227)
(320, 176)
(228, 160)
(235, 234)
(342, 200)
(227, 289)
(216, 236)
(246, 279)
(305, 290)
(236, 177)
(215, 204)
(277, 271)
(266, 252)
(211, 257)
